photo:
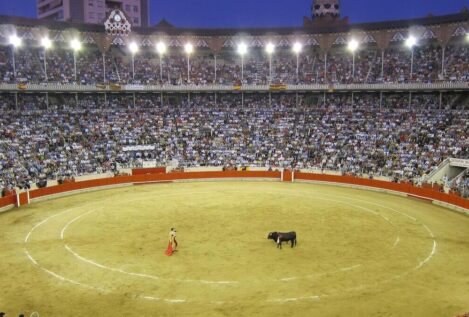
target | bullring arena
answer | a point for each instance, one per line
(359, 252)
(352, 137)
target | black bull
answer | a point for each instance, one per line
(280, 237)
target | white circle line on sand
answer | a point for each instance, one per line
(295, 299)
(430, 232)
(345, 269)
(62, 232)
(82, 258)
(64, 279)
(215, 282)
(180, 301)
(147, 276)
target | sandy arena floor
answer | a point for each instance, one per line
(359, 253)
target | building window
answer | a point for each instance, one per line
(127, 7)
(135, 8)
(135, 20)
(60, 14)
(90, 3)
(92, 15)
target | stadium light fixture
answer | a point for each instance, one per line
(353, 45)
(411, 41)
(242, 49)
(75, 44)
(189, 48)
(297, 48)
(161, 48)
(270, 48)
(133, 47)
(15, 41)
(46, 43)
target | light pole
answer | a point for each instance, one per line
(270, 49)
(133, 47)
(46, 44)
(189, 49)
(76, 46)
(161, 49)
(215, 66)
(410, 43)
(297, 48)
(242, 50)
(352, 47)
(15, 42)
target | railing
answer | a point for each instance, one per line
(53, 87)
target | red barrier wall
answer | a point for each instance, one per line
(148, 178)
(406, 188)
(287, 175)
(7, 201)
(403, 188)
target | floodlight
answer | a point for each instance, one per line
(188, 48)
(242, 49)
(161, 48)
(353, 45)
(133, 47)
(46, 43)
(411, 42)
(297, 48)
(75, 44)
(270, 48)
(15, 41)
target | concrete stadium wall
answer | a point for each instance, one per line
(446, 200)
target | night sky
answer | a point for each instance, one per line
(266, 13)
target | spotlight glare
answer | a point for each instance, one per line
(297, 48)
(352, 45)
(242, 49)
(15, 41)
(270, 48)
(188, 48)
(411, 41)
(161, 48)
(133, 47)
(46, 43)
(75, 44)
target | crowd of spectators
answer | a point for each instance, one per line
(350, 135)
(315, 67)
